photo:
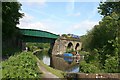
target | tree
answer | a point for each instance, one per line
(10, 33)
(107, 8)
(103, 38)
(10, 18)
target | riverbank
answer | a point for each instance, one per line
(48, 71)
(27, 65)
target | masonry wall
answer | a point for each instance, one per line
(61, 45)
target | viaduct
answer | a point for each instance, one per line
(63, 45)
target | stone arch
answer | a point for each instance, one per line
(70, 45)
(77, 46)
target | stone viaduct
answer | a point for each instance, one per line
(62, 44)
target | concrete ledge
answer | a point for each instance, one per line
(94, 75)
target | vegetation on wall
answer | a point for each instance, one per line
(70, 36)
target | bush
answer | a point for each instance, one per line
(88, 67)
(23, 65)
(36, 46)
(111, 64)
(84, 53)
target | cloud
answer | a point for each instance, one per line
(82, 27)
(29, 22)
(44, 26)
(36, 25)
(39, 25)
(26, 17)
(57, 27)
(85, 25)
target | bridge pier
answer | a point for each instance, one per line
(23, 46)
(51, 47)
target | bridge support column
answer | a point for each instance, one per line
(51, 47)
(23, 46)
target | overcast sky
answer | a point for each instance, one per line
(60, 17)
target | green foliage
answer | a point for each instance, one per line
(35, 46)
(111, 64)
(64, 35)
(88, 67)
(100, 34)
(84, 53)
(68, 50)
(107, 8)
(23, 65)
(102, 41)
(10, 33)
(10, 18)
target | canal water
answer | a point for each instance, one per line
(60, 63)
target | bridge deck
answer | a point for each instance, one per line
(31, 35)
(38, 33)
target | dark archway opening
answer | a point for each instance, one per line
(77, 45)
(69, 47)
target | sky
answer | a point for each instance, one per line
(69, 17)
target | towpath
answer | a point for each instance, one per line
(46, 74)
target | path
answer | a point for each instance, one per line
(46, 74)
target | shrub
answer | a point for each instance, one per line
(88, 67)
(111, 64)
(23, 65)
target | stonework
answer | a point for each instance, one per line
(61, 44)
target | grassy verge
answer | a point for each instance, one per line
(56, 72)
(23, 65)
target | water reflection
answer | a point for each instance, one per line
(74, 69)
(64, 64)
(60, 63)
(69, 60)
(46, 60)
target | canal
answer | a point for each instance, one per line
(60, 63)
